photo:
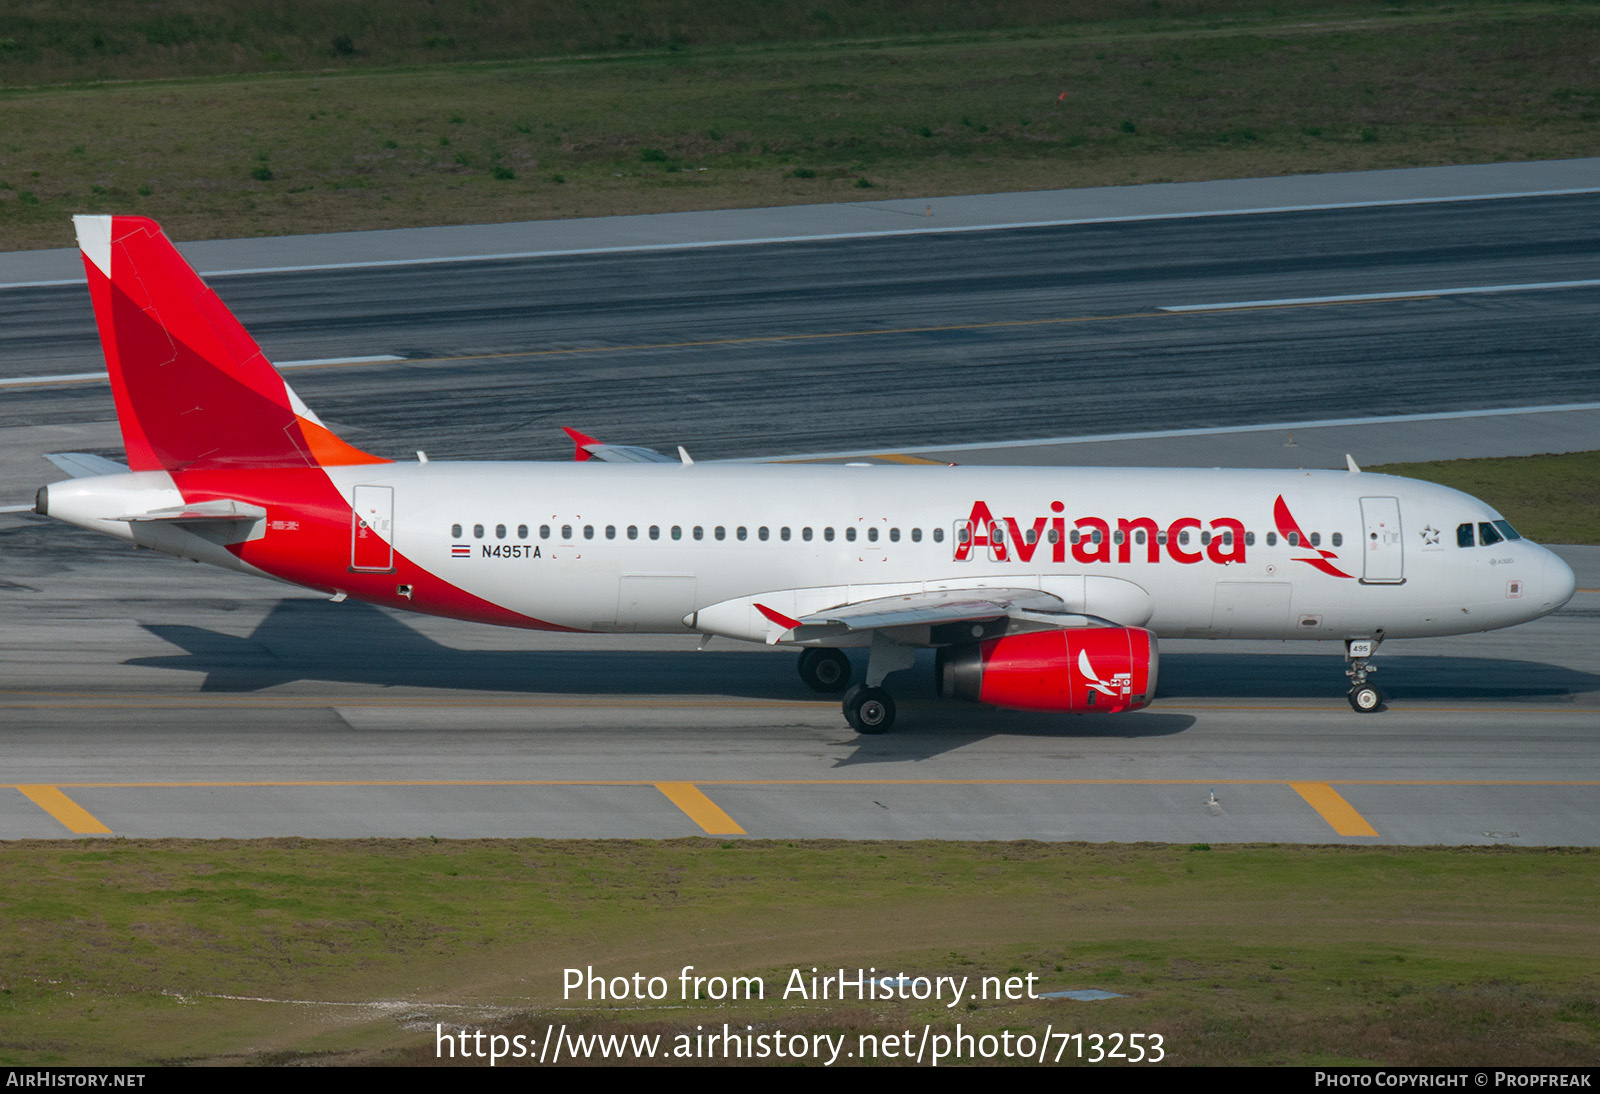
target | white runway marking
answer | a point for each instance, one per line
(1407, 294)
(822, 237)
(310, 362)
(1159, 434)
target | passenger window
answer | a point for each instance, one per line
(588, 531)
(1249, 539)
(1054, 536)
(850, 533)
(916, 535)
(741, 533)
(1205, 539)
(721, 532)
(1075, 536)
(455, 531)
(566, 532)
(1227, 538)
(611, 531)
(677, 531)
(894, 535)
(499, 531)
(827, 534)
(805, 534)
(544, 531)
(872, 534)
(761, 533)
(1338, 539)
(783, 533)
(1487, 534)
(1161, 538)
(477, 531)
(1119, 537)
(655, 531)
(699, 532)
(938, 535)
(1272, 539)
(522, 531)
(1183, 537)
(633, 531)
(1293, 538)
(1138, 536)
(1316, 539)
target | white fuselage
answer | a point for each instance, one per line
(616, 547)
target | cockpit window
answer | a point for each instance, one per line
(1464, 535)
(1487, 534)
(1506, 529)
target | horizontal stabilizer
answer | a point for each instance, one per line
(205, 512)
(82, 465)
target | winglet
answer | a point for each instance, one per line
(580, 441)
(1350, 462)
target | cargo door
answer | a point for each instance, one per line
(372, 529)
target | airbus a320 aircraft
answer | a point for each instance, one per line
(1040, 588)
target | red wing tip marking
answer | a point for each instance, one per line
(579, 440)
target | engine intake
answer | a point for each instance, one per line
(1105, 669)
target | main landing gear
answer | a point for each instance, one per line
(868, 707)
(1364, 698)
(825, 670)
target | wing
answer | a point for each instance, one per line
(585, 447)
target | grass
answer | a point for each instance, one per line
(1549, 499)
(379, 139)
(129, 952)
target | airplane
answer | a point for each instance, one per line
(1039, 588)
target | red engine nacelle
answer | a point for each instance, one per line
(1088, 669)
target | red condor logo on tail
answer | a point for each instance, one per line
(1004, 537)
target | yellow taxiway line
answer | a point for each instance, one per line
(1331, 807)
(689, 797)
(700, 809)
(73, 817)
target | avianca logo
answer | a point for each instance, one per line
(1004, 537)
(1120, 684)
(1222, 542)
(1289, 529)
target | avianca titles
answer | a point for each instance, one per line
(1040, 588)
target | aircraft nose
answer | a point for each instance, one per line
(1559, 582)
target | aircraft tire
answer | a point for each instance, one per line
(869, 710)
(1366, 699)
(825, 670)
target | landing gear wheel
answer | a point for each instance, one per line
(1365, 699)
(868, 710)
(825, 670)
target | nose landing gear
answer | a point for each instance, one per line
(1364, 698)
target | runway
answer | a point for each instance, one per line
(147, 697)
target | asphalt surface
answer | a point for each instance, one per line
(266, 712)
(911, 341)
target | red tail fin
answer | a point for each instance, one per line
(193, 390)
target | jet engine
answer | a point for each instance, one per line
(1078, 670)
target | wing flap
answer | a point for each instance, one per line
(939, 606)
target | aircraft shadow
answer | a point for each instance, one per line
(1401, 675)
(312, 640)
